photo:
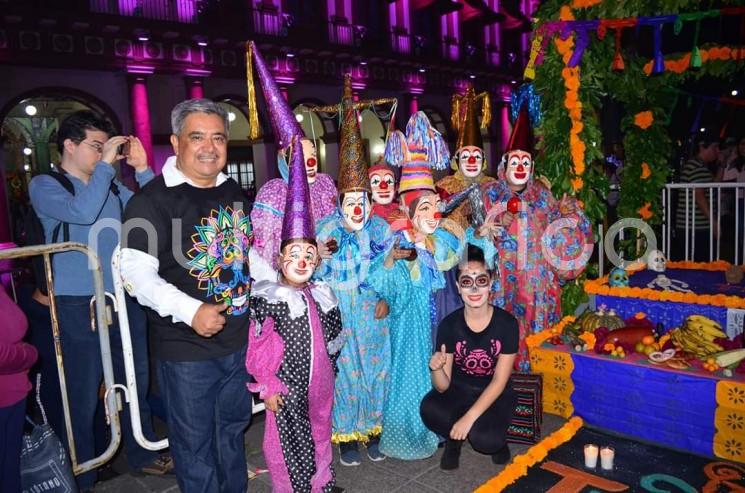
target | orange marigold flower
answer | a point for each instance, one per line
(643, 119)
(646, 172)
(577, 184)
(565, 13)
(645, 212)
(726, 53)
(581, 4)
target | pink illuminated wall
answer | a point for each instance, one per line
(450, 28)
(492, 37)
(398, 17)
(141, 116)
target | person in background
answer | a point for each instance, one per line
(89, 150)
(699, 219)
(16, 357)
(470, 370)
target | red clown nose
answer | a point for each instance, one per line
(301, 264)
(357, 211)
(438, 215)
(384, 185)
(472, 160)
(513, 205)
(311, 162)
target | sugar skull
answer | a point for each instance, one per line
(656, 261)
(618, 278)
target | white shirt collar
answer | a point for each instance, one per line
(174, 177)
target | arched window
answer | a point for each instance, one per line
(240, 165)
(373, 135)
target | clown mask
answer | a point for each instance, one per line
(519, 167)
(383, 185)
(425, 217)
(311, 160)
(298, 260)
(355, 207)
(470, 161)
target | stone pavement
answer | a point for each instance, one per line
(390, 475)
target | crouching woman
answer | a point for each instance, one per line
(470, 371)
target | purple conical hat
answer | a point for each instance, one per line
(283, 119)
(297, 222)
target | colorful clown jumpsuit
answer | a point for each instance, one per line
(294, 340)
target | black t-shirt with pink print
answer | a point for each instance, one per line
(475, 354)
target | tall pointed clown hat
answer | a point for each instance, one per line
(283, 119)
(352, 160)
(521, 138)
(420, 150)
(297, 222)
(464, 119)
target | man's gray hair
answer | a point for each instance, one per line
(186, 108)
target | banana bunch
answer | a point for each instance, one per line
(697, 335)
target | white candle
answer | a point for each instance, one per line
(606, 458)
(591, 455)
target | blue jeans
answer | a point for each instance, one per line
(83, 374)
(209, 409)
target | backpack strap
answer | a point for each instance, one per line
(114, 188)
(63, 180)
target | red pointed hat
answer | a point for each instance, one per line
(521, 138)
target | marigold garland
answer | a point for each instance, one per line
(535, 340)
(643, 119)
(714, 53)
(535, 454)
(571, 76)
(600, 287)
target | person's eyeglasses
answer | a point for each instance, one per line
(96, 147)
(481, 281)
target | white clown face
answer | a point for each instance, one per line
(298, 261)
(519, 167)
(356, 210)
(426, 217)
(383, 185)
(470, 161)
(311, 159)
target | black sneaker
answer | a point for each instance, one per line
(502, 456)
(450, 459)
(349, 455)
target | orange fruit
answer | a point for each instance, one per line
(648, 340)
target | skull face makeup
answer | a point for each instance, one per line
(473, 284)
(470, 161)
(298, 260)
(425, 217)
(311, 159)
(355, 207)
(618, 278)
(383, 184)
(518, 168)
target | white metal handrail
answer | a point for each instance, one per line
(688, 201)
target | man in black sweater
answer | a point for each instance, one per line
(185, 257)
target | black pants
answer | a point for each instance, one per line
(488, 434)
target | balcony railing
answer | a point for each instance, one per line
(267, 19)
(185, 11)
(400, 41)
(340, 31)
